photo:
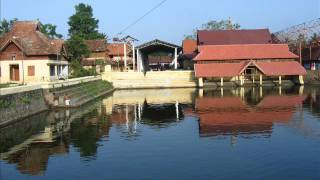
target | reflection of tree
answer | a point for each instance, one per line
(87, 131)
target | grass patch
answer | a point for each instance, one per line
(5, 85)
(95, 88)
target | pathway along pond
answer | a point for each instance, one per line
(249, 133)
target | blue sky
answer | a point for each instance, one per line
(172, 20)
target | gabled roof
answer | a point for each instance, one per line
(27, 36)
(219, 69)
(234, 69)
(281, 68)
(117, 49)
(225, 37)
(98, 45)
(157, 42)
(244, 52)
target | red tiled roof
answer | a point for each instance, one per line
(281, 68)
(98, 45)
(233, 69)
(244, 52)
(207, 103)
(117, 49)
(281, 101)
(227, 37)
(219, 69)
(189, 46)
(26, 35)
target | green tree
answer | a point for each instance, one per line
(214, 25)
(220, 25)
(76, 48)
(83, 24)
(50, 31)
(6, 25)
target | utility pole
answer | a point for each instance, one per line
(300, 52)
(130, 40)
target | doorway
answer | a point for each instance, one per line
(14, 72)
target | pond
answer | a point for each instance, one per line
(243, 133)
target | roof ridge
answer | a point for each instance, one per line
(208, 30)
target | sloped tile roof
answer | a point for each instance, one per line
(98, 45)
(224, 37)
(281, 68)
(117, 49)
(244, 52)
(26, 35)
(219, 69)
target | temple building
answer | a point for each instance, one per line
(244, 56)
(27, 55)
(157, 55)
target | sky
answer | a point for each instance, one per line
(172, 20)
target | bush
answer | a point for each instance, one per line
(79, 71)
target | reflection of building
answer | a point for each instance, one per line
(233, 116)
(28, 55)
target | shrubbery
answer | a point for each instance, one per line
(79, 71)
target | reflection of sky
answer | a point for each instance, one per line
(120, 147)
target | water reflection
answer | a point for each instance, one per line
(234, 115)
(227, 113)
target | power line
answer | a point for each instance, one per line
(143, 16)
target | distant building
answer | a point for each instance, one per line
(120, 56)
(27, 55)
(189, 51)
(311, 56)
(244, 55)
(157, 55)
(98, 57)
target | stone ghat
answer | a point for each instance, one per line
(78, 94)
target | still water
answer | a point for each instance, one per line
(245, 133)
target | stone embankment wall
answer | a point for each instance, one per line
(151, 79)
(20, 105)
(22, 101)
